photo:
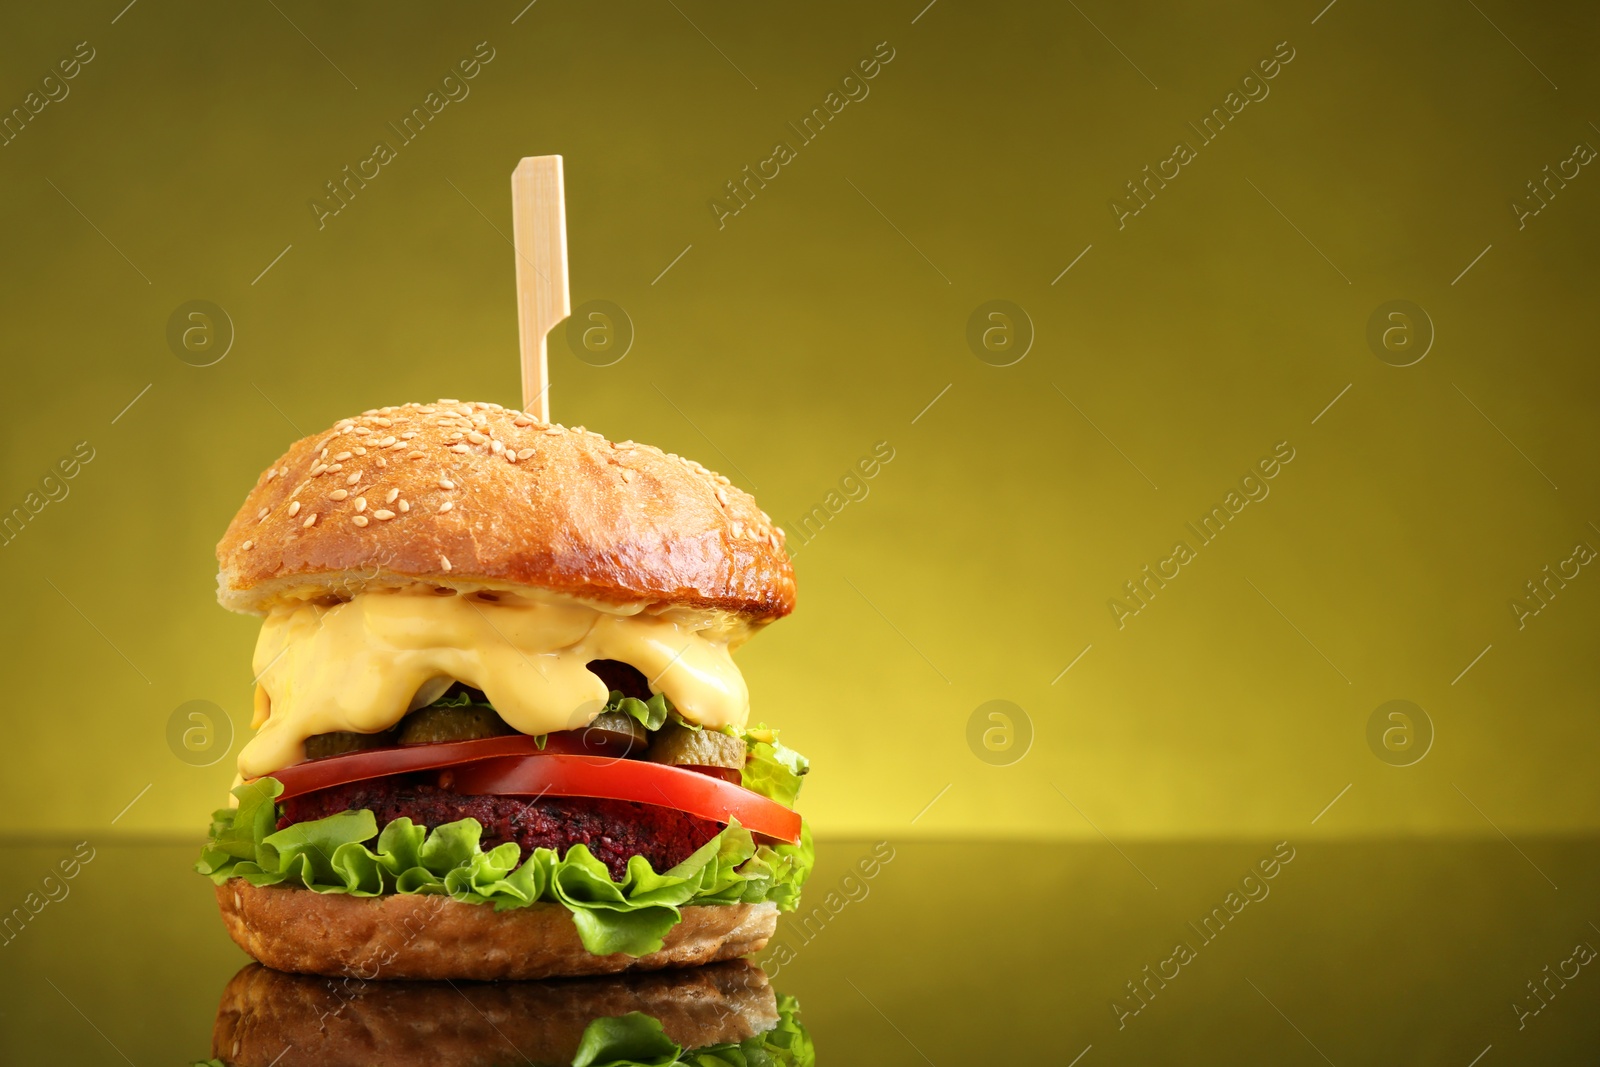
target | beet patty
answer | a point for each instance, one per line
(613, 830)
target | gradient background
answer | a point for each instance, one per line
(827, 316)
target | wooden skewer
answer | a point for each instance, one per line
(539, 229)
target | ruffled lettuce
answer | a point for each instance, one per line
(338, 854)
(649, 713)
(637, 1040)
(772, 768)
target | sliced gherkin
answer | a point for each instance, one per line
(678, 744)
(432, 724)
(342, 741)
(615, 732)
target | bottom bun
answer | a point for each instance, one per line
(407, 935)
(267, 1019)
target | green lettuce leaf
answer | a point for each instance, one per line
(649, 713)
(772, 768)
(338, 854)
(459, 699)
(637, 1040)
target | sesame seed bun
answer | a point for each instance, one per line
(473, 495)
(410, 935)
(267, 1018)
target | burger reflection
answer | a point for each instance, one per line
(723, 1014)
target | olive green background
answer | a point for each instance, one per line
(824, 318)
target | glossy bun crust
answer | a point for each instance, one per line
(410, 935)
(269, 1019)
(475, 495)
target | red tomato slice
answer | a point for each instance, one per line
(516, 766)
(312, 775)
(636, 780)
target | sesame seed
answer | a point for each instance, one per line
(248, 545)
(271, 474)
(294, 508)
(386, 423)
(446, 483)
(408, 435)
(496, 447)
(447, 505)
(335, 468)
(394, 494)
(415, 455)
(386, 442)
(324, 454)
(360, 520)
(361, 503)
(382, 462)
(311, 520)
(383, 514)
(448, 400)
(458, 448)
(355, 477)
(405, 506)
(627, 475)
(363, 430)
(511, 456)
(722, 496)
(723, 480)
(554, 431)
(261, 514)
(339, 494)
(317, 469)
(444, 561)
(738, 529)
(522, 420)
(476, 438)
(524, 453)
(341, 457)
(360, 451)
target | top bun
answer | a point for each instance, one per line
(474, 495)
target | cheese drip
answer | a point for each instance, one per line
(361, 665)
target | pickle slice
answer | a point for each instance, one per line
(677, 744)
(468, 723)
(613, 733)
(342, 741)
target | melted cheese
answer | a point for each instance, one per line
(362, 664)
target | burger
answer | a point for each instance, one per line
(722, 1014)
(498, 730)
